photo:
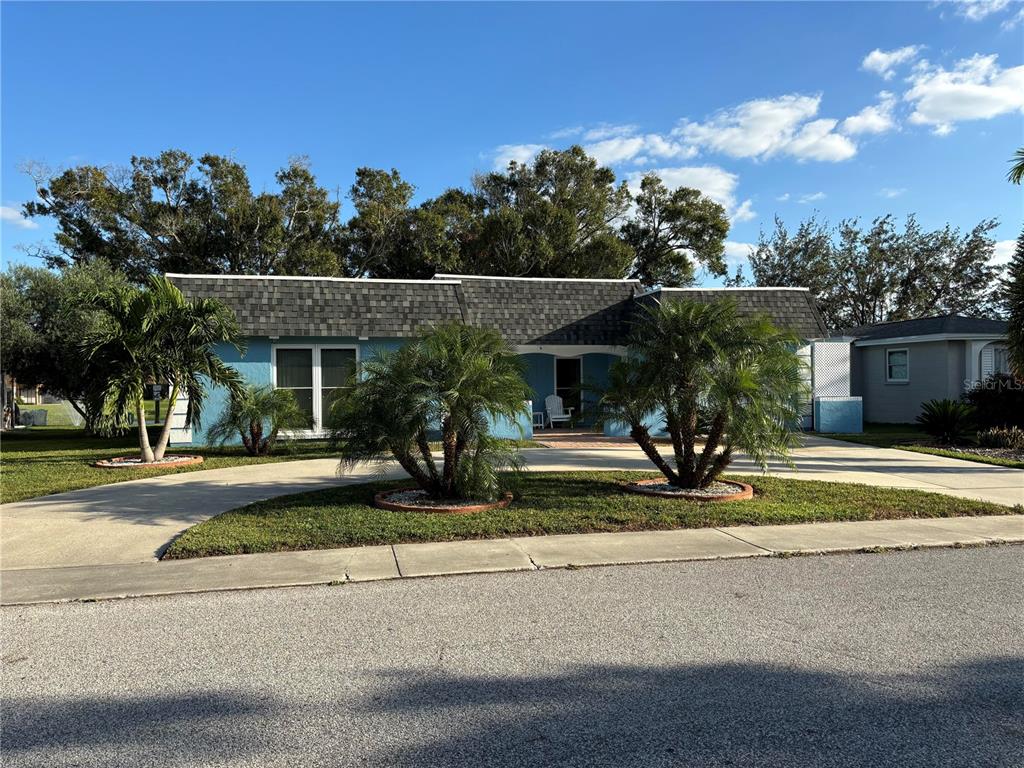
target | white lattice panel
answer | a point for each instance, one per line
(831, 368)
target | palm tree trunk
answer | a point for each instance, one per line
(425, 453)
(721, 462)
(144, 448)
(408, 462)
(165, 431)
(642, 437)
(710, 447)
(688, 435)
(448, 442)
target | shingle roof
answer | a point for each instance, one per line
(950, 325)
(526, 311)
(792, 309)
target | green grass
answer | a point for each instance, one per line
(548, 503)
(952, 453)
(905, 438)
(882, 435)
(63, 415)
(44, 460)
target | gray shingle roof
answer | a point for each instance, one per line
(925, 326)
(525, 311)
(792, 309)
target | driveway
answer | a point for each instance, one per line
(134, 521)
(913, 659)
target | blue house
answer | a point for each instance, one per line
(307, 334)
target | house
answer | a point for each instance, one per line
(897, 366)
(307, 334)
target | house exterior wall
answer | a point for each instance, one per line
(935, 373)
(256, 367)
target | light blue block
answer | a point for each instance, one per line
(655, 423)
(843, 415)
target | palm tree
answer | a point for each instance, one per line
(702, 368)
(248, 415)
(156, 334)
(452, 380)
(1016, 174)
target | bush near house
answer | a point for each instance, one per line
(948, 421)
(706, 369)
(997, 402)
(453, 379)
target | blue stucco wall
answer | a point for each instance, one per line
(255, 367)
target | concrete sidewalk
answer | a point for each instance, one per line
(133, 522)
(282, 569)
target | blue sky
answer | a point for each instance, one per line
(848, 109)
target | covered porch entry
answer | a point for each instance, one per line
(571, 372)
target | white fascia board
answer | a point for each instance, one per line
(570, 350)
(316, 277)
(456, 278)
(726, 289)
(929, 337)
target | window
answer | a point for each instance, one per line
(897, 365)
(1000, 360)
(314, 373)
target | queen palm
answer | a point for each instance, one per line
(702, 368)
(453, 381)
(156, 334)
(256, 415)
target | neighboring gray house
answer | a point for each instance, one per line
(897, 366)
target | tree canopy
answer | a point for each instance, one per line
(559, 215)
(883, 272)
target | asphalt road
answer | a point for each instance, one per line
(900, 659)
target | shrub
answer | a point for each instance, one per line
(257, 415)
(998, 402)
(452, 379)
(1002, 437)
(948, 421)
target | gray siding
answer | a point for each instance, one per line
(935, 373)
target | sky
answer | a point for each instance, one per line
(772, 109)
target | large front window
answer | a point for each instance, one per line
(314, 374)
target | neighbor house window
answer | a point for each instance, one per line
(897, 365)
(314, 374)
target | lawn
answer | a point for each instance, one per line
(548, 503)
(904, 437)
(63, 415)
(40, 461)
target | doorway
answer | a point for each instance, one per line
(568, 376)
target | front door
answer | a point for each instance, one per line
(568, 375)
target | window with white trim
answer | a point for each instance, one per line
(897, 365)
(1000, 360)
(314, 373)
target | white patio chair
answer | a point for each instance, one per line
(557, 412)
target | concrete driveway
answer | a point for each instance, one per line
(134, 521)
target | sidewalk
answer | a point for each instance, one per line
(282, 569)
(133, 522)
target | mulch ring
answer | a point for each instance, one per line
(720, 490)
(134, 462)
(416, 500)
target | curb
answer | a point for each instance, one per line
(475, 556)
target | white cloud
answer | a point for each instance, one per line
(608, 131)
(520, 153)
(717, 183)
(976, 10)
(891, 192)
(812, 198)
(737, 254)
(1013, 21)
(1004, 252)
(565, 133)
(975, 89)
(13, 216)
(884, 63)
(768, 127)
(876, 118)
(621, 149)
(783, 197)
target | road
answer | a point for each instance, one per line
(902, 659)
